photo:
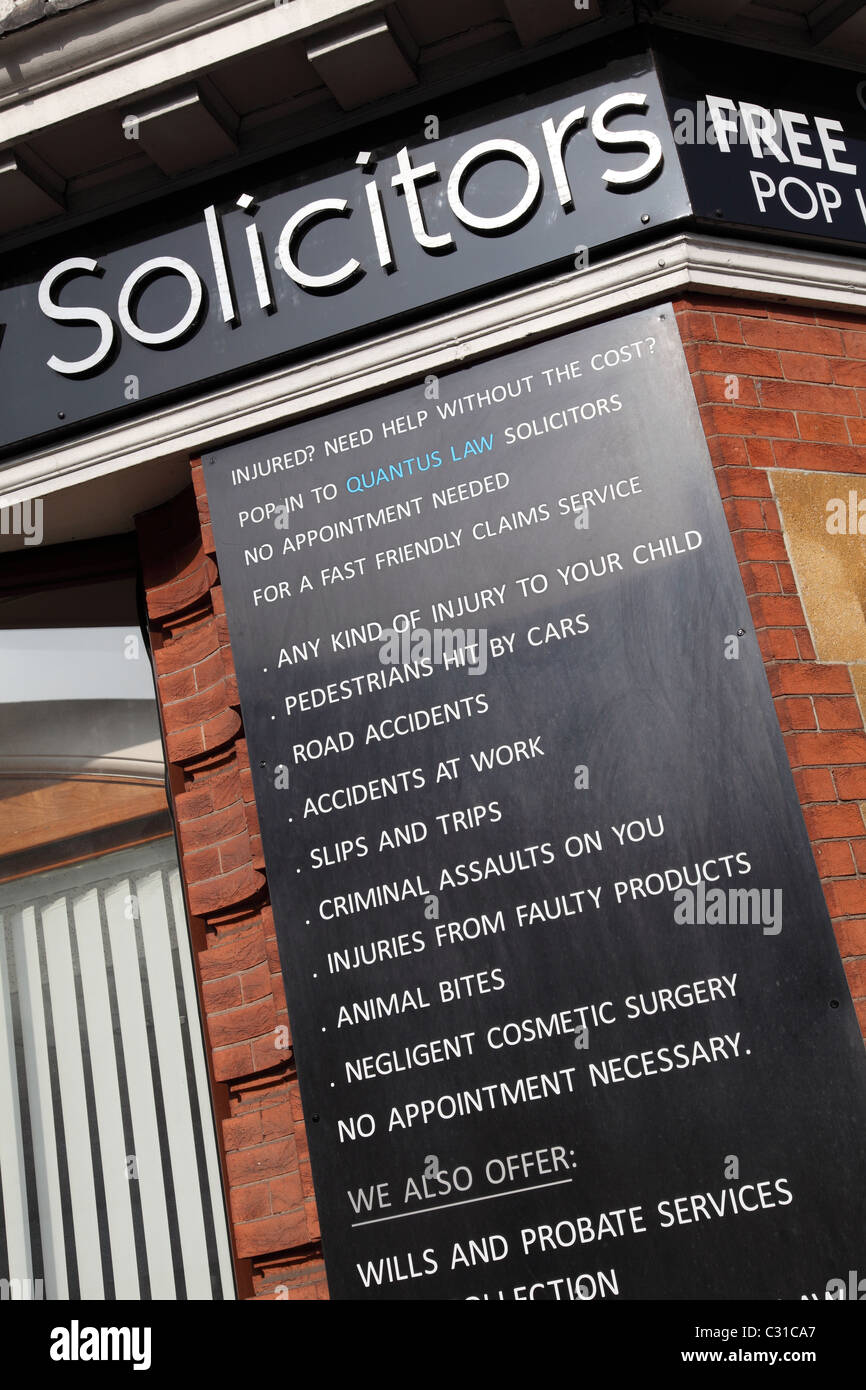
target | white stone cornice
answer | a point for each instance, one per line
(125, 49)
(671, 267)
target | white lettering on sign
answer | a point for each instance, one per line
(776, 135)
(481, 163)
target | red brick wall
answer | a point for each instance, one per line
(802, 404)
(266, 1167)
(801, 377)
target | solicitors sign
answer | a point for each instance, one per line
(267, 271)
(397, 222)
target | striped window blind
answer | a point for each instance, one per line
(110, 1184)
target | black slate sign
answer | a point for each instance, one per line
(569, 1017)
(775, 148)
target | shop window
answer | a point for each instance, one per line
(109, 1175)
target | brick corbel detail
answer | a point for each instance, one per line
(265, 1160)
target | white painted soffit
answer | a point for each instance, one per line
(125, 48)
(271, 75)
(668, 268)
(94, 56)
